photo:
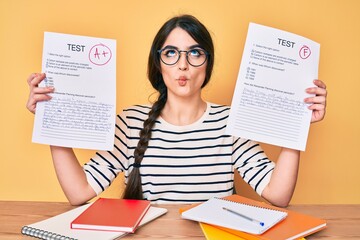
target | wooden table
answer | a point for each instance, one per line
(343, 221)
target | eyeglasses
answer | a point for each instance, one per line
(195, 57)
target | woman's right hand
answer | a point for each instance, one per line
(37, 94)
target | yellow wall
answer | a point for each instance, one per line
(330, 166)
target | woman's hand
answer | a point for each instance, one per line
(37, 93)
(318, 102)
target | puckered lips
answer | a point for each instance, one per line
(182, 80)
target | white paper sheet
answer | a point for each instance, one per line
(268, 103)
(81, 113)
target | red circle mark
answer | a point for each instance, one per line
(304, 52)
(100, 54)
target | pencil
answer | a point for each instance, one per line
(244, 216)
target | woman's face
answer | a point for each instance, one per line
(182, 79)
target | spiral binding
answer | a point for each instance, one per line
(250, 205)
(33, 232)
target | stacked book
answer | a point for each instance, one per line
(237, 217)
(101, 220)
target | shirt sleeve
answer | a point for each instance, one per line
(103, 168)
(252, 163)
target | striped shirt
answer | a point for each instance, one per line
(183, 164)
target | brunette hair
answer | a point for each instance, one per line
(201, 35)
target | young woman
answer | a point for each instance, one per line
(176, 150)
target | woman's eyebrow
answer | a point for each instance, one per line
(170, 47)
(195, 46)
(174, 47)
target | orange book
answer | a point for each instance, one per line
(123, 215)
(294, 226)
(214, 233)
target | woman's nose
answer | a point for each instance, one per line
(183, 63)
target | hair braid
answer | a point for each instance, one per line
(133, 188)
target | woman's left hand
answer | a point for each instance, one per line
(318, 102)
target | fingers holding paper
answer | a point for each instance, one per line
(317, 102)
(37, 94)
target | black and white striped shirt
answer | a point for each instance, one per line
(183, 164)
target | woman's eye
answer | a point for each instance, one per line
(170, 53)
(195, 52)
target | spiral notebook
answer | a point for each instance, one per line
(235, 215)
(58, 227)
